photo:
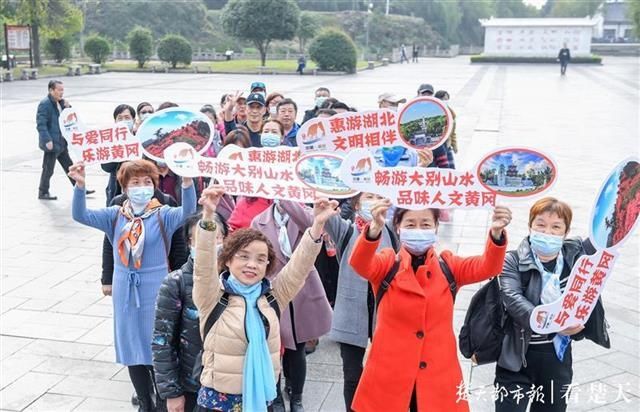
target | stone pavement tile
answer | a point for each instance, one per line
(39, 305)
(327, 352)
(628, 382)
(586, 349)
(102, 308)
(590, 370)
(15, 366)
(22, 392)
(623, 328)
(334, 401)
(92, 387)
(122, 375)
(33, 290)
(10, 283)
(103, 405)
(107, 354)
(46, 325)
(594, 395)
(624, 343)
(12, 344)
(71, 350)
(100, 335)
(622, 360)
(78, 367)
(50, 402)
(481, 375)
(627, 314)
(9, 302)
(325, 372)
(76, 303)
(314, 394)
(631, 404)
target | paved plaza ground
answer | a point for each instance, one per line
(56, 329)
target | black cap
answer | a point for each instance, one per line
(425, 87)
(255, 98)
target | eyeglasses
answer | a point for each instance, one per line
(146, 112)
(245, 258)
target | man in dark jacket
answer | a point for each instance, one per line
(321, 94)
(178, 251)
(176, 336)
(564, 56)
(50, 138)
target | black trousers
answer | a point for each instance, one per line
(544, 382)
(563, 67)
(190, 401)
(294, 367)
(352, 357)
(49, 163)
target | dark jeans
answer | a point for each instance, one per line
(294, 367)
(563, 67)
(352, 357)
(49, 163)
(544, 381)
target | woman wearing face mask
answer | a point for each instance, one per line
(176, 336)
(352, 324)
(241, 356)
(272, 105)
(307, 317)
(123, 113)
(144, 110)
(272, 132)
(414, 354)
(537, 273)
(137, 230)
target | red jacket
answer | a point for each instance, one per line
(245, 210)
(413, 343)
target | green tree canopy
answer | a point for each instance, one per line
(307, 29)
(333, 50)
(175, 49)
(261, 22)
(140, 45)
(98, 48)
(572, 8)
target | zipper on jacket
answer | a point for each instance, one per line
(246, 306)
(522, 354)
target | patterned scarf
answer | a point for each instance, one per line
(283, 234)
(131, 242)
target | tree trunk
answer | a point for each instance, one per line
(35, 42)
(301, 41)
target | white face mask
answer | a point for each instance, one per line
(273, 110)
(140, 196)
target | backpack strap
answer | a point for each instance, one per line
(386, 282)
(273, 303)
(453, 287)
(163, 232)
(215, 314)
(345, 240)
(392, 238)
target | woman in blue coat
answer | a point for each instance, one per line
(138, 231)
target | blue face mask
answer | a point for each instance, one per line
(545, 245)
(140, 196)
(129, 124)
(418, 241)
(268, 139)
(365, 210)
(320, 100)
(392, 155)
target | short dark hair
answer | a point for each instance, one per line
(223, 99)
(440, 94)
(166, 105)
(286, 101)
(323, 89)
(340, 105)
(53, 84)
(330, 112)
(271, 97)
(238, 136)
(328, 104)
(142, 106)
(241, 238)
(399, 214)
(122, 108)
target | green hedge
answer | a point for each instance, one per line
(593, 59)
(333, 50)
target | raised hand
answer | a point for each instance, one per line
(425, 157)
(378, 217)
(323, 210)
(77, 173)
(209, 200)
(500, 219)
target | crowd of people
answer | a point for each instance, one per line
(218, 300)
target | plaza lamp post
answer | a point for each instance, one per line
(366, 24)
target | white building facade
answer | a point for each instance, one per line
(537, 37)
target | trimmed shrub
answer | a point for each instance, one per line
(333, 50)
(174, 49)
(140, 45)
(98, 48)
(60, 49)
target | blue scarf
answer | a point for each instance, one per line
(258, 381)
(550, 293)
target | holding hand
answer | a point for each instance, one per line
(572, 330)
(49, 146)
(323, 210)
(77, 173)
(500, 219)
(231, 101)
(379, 216)
(107, 290)
(425, 157)
(209, 200)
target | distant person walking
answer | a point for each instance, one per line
(302, 63)
(564, 56)
(403, 54)
(50, 138)
(414, 54)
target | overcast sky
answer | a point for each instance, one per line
(536, 3)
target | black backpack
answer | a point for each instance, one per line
(386, 282)
(483, 329)
(213, 318)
